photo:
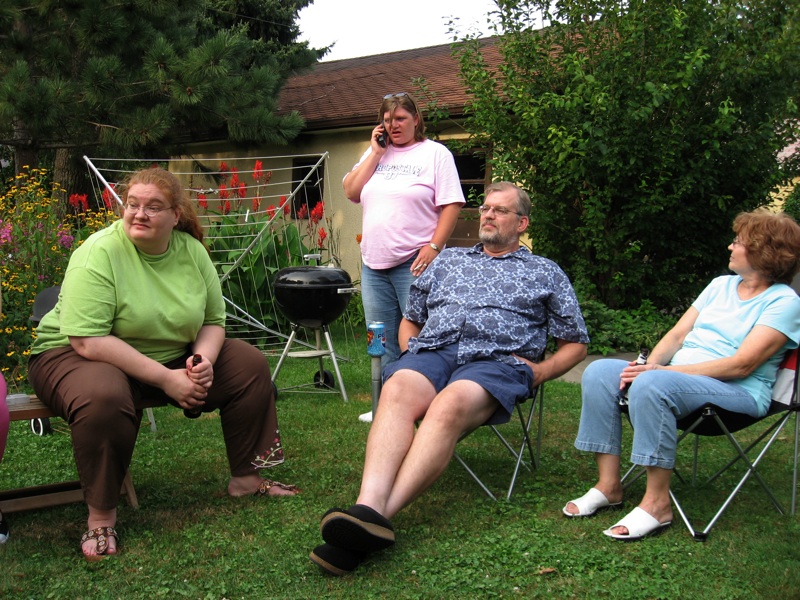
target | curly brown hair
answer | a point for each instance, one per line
(772, 241)
(173, 189)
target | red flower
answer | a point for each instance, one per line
(317, 213)
(79, 201)
(303, 212)
(287, 208)
(226, 207)
(271, 210)
(256, 203)
(269, 176)
(223, 168)
(234, 178)
(322, 235)
(224, 194)
(202, 201)
(242, 190)
(106, 195)
(258, 171)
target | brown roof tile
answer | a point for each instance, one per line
(346, 93)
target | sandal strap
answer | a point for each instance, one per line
(267, 484)
(101, 534)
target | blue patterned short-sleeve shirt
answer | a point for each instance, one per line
(493, 306)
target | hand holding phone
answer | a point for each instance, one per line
(382, 139)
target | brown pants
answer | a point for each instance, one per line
(102, 406)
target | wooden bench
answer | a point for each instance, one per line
(55, 494)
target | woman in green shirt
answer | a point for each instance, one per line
(141, 315)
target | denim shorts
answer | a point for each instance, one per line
(508, 384)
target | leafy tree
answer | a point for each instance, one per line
(134, 77)
(640, 129)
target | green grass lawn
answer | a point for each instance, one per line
(189, 540)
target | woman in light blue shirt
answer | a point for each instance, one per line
(726, 348)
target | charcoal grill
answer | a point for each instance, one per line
(313, 297)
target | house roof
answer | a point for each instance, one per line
(347, 93)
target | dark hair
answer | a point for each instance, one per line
(173, 189)
(772, 241)
(523, 200)
(405, 101)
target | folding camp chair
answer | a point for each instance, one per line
(710, 420)
(535, 405)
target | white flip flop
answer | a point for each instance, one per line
(640, 524)
(589, 504)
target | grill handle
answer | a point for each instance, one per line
(350, 290)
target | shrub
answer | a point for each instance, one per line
(38, 231)
(612, 330)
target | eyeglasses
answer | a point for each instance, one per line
(500, 211)
(150, 211)
(397, 95)
(737, 242)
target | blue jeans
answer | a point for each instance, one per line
(384, 293)
(656, 400)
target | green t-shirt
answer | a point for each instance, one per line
(157, 304)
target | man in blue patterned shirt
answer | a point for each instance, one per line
(474, 331)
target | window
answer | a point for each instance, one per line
(472, 173)
(311, 192)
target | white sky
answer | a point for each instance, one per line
(366, 27)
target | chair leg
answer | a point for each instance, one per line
(151, 417)
(130, 491)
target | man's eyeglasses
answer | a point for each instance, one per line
(500, 211)
(150, 211)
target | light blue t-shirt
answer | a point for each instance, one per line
(724, 322)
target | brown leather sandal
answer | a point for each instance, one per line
(101, 534)
(268, 484)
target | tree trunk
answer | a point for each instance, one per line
(70, 171)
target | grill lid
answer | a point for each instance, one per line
(311, 277)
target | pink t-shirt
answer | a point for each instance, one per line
(402, 201)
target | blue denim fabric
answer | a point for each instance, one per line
(384, 293)
(656, 400)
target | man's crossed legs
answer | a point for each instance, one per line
(403, 460)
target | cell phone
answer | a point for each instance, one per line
(381, 139)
